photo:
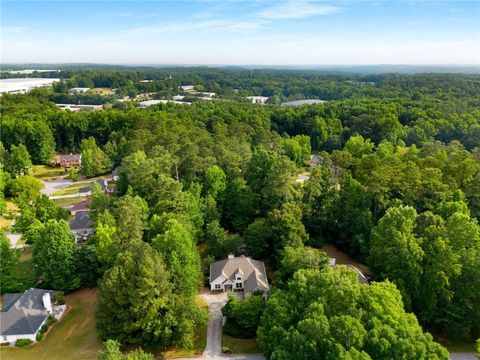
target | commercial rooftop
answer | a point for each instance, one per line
(302, 102)
(21, 86)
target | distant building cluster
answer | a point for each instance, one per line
(22, 86)
(258, 99)
(77, 108)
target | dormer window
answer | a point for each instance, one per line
(239, 277)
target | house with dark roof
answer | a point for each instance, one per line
(81, 225)
(24, 314)
(239, 273)
(67, 160)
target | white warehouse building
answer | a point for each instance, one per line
(24, 85)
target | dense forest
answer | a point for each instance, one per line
(393, 165)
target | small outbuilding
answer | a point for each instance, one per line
(239, 273)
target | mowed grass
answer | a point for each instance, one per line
(67, 201)
(102, 91)
(23, 276)
(46, 172)
(240, 346)
(74, 337)
(72, 189)
(456, 345)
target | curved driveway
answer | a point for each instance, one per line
(213, 350)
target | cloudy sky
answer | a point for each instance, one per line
(282, 32)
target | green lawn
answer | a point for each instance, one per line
(240, 346)
(67, 201)
(23, 276)
(199, 341)
(46, 172)
(457, 345)
(72, 189)
(74, 337)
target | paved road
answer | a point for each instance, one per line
(462, 356)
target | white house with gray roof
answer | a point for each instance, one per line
(239, 273)
(23, 314)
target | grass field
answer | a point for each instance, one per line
(456, 345)
(102, 91)
(46, 172)
(67, 201)
(74, 337)
(23, 276)
(240, 346)
(72, 189)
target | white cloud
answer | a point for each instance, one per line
(297, 9)
(204, 26)
(14, 29)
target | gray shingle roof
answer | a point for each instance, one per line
(253, 272)
(23, 313)
(81, 221)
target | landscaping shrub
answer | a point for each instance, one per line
(232, 328)
(226, 350)
(39, 336)
(243, 317)
(23, 342)
(51, 319)
(59, 298)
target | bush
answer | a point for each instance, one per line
(59, 298)
(226, 350)
(23, 342)
(51, 319)
(5, 344)
(39, 336)
(232, 328)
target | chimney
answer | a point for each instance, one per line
(231, 256)
(47, 303)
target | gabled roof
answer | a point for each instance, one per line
(23, 313)
(81, 221)
(253, 272)
(70, 157)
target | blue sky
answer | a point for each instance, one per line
(283, 32)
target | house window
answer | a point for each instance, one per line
(238, 285)
(218, 286)
(239, 278)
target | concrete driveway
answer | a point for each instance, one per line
(213, 350)
(50, 186)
